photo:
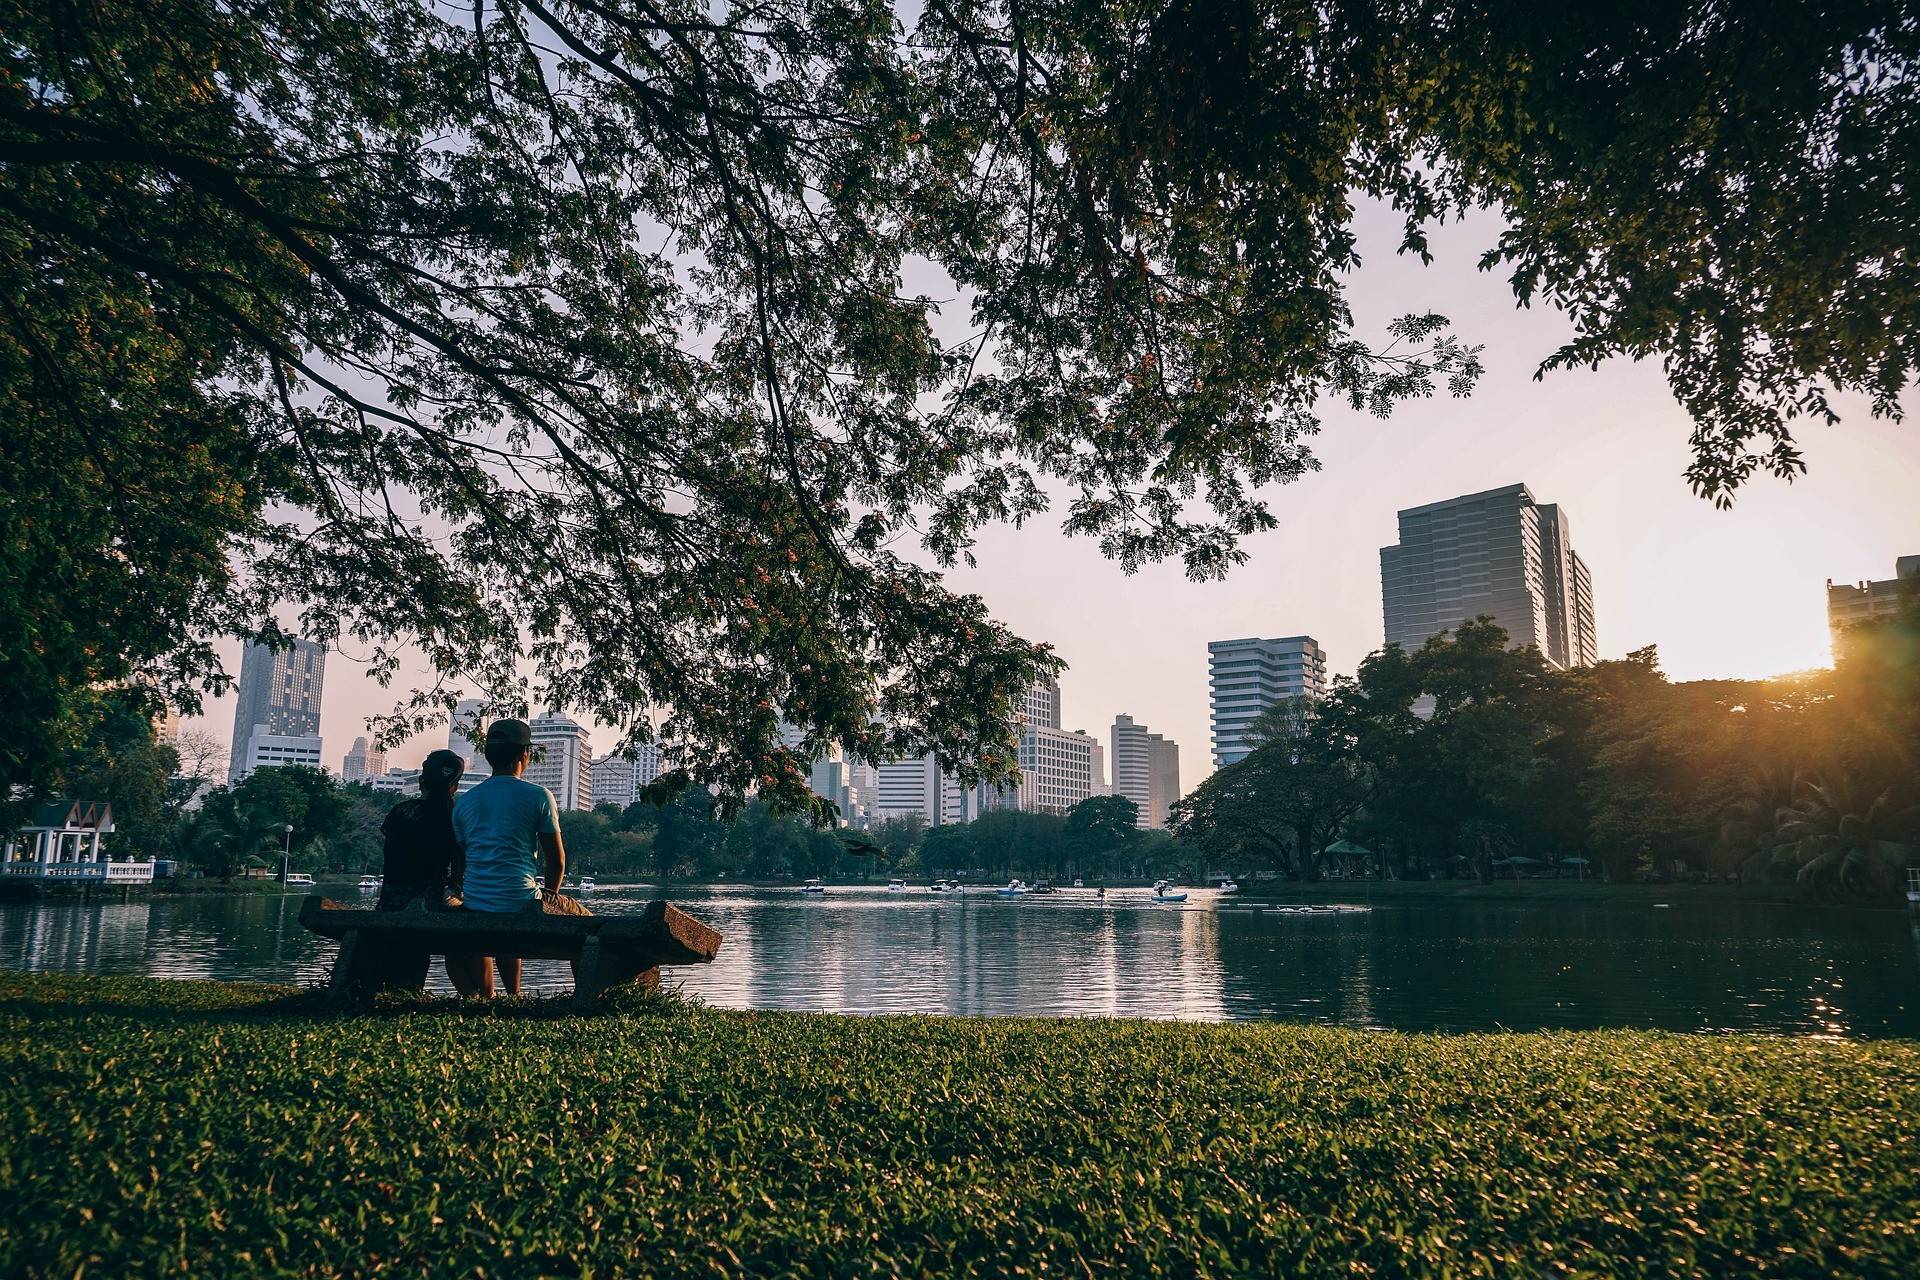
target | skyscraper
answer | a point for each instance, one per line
(619, 781)
(1146, 770)
(563, 760)
(1248, 676)
(363, 763)
(277, 719)
(915, 785)
(1499, 553)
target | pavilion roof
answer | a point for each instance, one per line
(72, 815)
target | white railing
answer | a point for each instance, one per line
(81, 872)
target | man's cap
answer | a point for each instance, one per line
(510, 733)
(442, 767)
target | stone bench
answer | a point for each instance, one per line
(390, 950)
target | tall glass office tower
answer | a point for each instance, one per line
(1499, 553)
(277, 719)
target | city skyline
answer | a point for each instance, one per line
(1723, 593)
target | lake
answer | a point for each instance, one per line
(1447, 964)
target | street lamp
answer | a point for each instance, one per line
(286, 850)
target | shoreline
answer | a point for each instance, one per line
(1359, 892)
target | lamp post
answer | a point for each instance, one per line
(286, 850)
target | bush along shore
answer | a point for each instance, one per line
(154, 1128)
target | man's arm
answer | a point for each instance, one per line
(555, 855)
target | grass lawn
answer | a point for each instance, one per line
(151, 1128)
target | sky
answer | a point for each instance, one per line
(1734, 593)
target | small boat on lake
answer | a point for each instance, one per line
(369, 884)
(942, 886)
(1228, 886)
(299, 880)
(1078, 883)
(813, 886)
(1013, 889)
(589, 885)
(896, 885)
(1163, 891)
(1043, 886)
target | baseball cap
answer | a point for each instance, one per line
(442, 767)
(510, 733)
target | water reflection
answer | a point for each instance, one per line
(1448, 965)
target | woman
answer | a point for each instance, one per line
(421, 863)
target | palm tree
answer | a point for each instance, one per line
(1749, 825)
(1849, 834)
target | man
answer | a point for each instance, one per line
(508, 830)
(421, 862)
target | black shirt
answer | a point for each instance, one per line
(420, 855)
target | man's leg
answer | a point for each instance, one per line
(509, 969)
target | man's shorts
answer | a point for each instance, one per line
(552, 904)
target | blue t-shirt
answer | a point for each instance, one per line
(499, 823)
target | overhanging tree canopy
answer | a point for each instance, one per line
(578, 328)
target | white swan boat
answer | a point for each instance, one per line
(1012, 889)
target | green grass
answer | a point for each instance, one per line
(151, 1128)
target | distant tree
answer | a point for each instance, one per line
(1098, 832)
(899, 836)
(948, 849)
(202, 757)
(1847, 836)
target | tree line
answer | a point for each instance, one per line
(1466, 758)
(166, 806)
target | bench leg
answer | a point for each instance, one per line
(587, 982)
(345, 966)
(364, 966)
(597, 972)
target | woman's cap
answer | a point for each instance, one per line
(443, 767)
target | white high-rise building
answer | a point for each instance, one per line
(1498, 553)
(1059, 769)
(1248, 676)
(919, 785)
(619, 781)
(563, 760)
(363, 763)
(276, 720)
(1146, 770)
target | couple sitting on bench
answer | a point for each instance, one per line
(496, 849)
